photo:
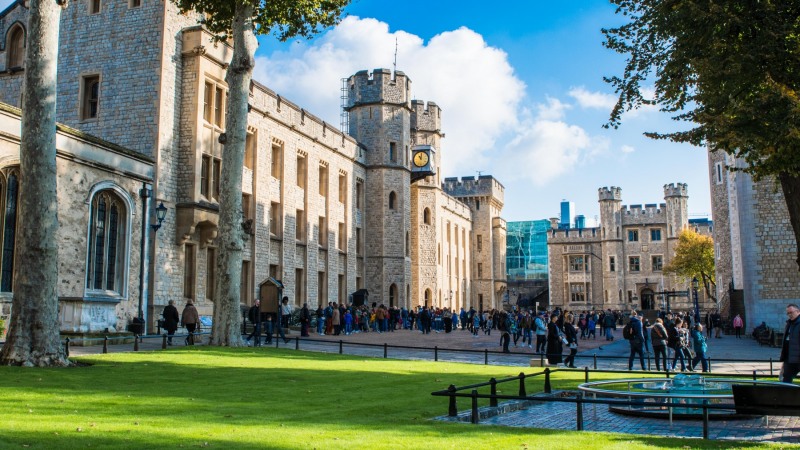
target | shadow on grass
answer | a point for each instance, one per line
(246, 398)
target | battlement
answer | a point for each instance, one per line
(573, 235)
(609, 193)
(650, 209)
(484, 185)
(676, 190)
(378, 86)
(425, 117)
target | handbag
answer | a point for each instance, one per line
(573, 345)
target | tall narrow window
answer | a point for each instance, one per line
(189, 275)
(426, 216)
(299, 287)
(94, 6)
(277, 160)
(275, 219)
(247, 208)
(90, 98)
(15, 45)
(392, 200)
(208, 102)
(392, 295)
(205, 175)
(245, 285)
(359, 194)
(216, 174)
(300, 230)
(479, 242)
(302, 173)
(343, 189)
(392, 152)
(106, 242)
(612, 264)
(211, 271)
(218, 95)
(9, 233)
(480, 270)
(135, 3)
(249, 150)
(342, 237)
(323, 181)
(322, 288)
(359, 245)
(322, 238)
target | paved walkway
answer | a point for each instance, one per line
(460, 346)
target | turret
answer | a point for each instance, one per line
(610, 199)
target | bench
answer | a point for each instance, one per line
(764, 337)
(763, 400)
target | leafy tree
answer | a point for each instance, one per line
(33, 334)
(729, 67)
(694, 258)
(241, 21)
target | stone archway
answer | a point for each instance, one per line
(648, 298)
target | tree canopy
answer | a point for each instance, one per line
(729, 67)
(694, 258)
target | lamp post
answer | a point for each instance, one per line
(695, 285)
(161, 213)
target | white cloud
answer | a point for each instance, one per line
(627, 149)
(547, 147)
(473, 83)
(592, 100)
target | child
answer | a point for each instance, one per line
(591, 327)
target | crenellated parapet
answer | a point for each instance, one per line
(612, 193)
(378, 87)
(426, 117)
(572, 235)
(676, 190)
(484, 185)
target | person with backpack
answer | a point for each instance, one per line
(635, 336)
(658, 337)
(609, 323)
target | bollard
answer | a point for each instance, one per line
(705, 419)
(163, 342)
(666, 369)
(452, 411)
(105, 344)
(436, 353)
(755, 376)
(649, 366)
(770, 367)
(522, 385)
(136, 342)
(385, 350)
(595, 361)
(277, 340)
(585, 374)
(475, 418)
(340, 346)
(297, 342)
(493, 384)
(579, 412)
(66, 348)
(709, 364)
(486, 357)
(541, 360)
(547, 388)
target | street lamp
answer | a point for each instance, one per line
(695, 285)
(161, 213)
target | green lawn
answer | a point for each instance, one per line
(267, 398)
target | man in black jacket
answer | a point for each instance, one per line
(636, 341)
(254, 316)
(171, 320)
(790, 350)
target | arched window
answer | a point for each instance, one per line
(392, 295)
(427, 297)
(15, 47)
(392, 200)
(10, 197)
(426, 216)
(408, 244)
(108, 219)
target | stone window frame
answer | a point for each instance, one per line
(134, 4)
(657, 264)
(718, 173)
(577, 263)
(655, 233)
(86, 97)
(633, 235)
(123, 243)
(577, 293)
(189, 270)
(214, 99)
(637, 264)
(211, 269)
(392, 200)
(16, 34)
(612, 263)
(426, 216)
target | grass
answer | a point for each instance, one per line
(268, 398)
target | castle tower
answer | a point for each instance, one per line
(612, 245)
(610, 199)
(676, 196)
(378, 105)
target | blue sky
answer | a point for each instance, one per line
(521, 92)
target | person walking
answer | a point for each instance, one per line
(636, 341)
(572, 340)
(700, 347)
(171, 319)
(675, 342)
(790, 350)
(190, 318)
(305, 320)
(320, 320)
(336, 320)
(540, 327)
(555, 347)
(738, 324)
(254, 316)
(609, 323)
(284, 311)
(716, 320)
(658, 338)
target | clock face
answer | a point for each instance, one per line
(420, 159)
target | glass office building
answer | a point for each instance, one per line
(526, 250)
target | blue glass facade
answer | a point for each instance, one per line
(526, 250)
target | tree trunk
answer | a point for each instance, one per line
(791, 192)
(33, 336)
(226, 330)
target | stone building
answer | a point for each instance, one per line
(755, 249)
(619, 264)
(327, 212)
